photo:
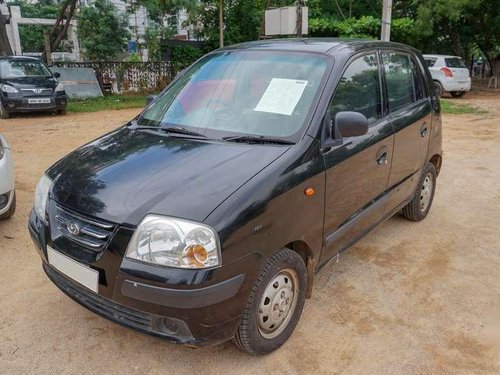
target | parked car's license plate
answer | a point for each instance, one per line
(39, 101)
(71, 268)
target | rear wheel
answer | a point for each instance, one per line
(275, 304)
(457, 94)
(11, 210)
(439, 89)
(419, 206)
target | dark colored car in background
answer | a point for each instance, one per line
(27, 85)
(207, 216)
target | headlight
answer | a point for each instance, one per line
(8, 88)
(41, 196)
(59, 87)
(174, 243)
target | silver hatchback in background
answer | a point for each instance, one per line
(7, 191)
(450, 74)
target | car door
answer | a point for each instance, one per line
(410, 111)
(357, 168)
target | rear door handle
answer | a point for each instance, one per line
(423, 130)
(381, 157)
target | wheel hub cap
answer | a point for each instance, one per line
(426, 192)
(278, 303)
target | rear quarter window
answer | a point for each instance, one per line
(430, 62)
(454, 62)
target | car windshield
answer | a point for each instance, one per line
(454, 62)
(20, 68)
(231, 93)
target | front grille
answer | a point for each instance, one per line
(38, 92)
(100, 305)
(87, 232)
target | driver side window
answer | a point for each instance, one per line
(359, 89)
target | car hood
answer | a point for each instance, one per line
(31, 82)
(127, 174)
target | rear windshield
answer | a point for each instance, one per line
(454, 62)
(430, 62)
(20, 68)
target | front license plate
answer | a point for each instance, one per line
(84, 275)
(39, 101)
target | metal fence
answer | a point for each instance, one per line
(123, 77)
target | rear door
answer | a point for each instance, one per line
(410, 109)
(357, 169)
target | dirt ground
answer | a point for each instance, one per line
(410, 298)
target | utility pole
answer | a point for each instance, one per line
(385, 34)
(221, 23)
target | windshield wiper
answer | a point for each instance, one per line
(257, 139)
(168, 129)
(180, 130)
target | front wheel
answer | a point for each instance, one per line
(457, 94)
(275, 304)
(419, 206)
(12, 209)
(4, 114)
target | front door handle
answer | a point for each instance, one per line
(423, 130)
(381, 157)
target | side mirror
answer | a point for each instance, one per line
(150, 99)
(350, 124)
(57, 74)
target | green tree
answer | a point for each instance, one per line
(102, 30)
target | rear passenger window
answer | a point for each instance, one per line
(359, 89)
(419, 81)
(400, 80)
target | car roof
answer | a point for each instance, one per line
(438, 56)
(19, 58)
(319, 45)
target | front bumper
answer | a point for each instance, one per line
(191, 307)
(18, 103)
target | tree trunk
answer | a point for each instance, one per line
(5, 48)
(221, 23)
(57, 34)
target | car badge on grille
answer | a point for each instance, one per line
(37, 91)
(74, 229)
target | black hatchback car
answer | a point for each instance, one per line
(206, 217)
(27, 85)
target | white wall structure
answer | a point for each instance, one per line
(16, 19)
(283, 21)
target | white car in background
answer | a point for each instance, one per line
(7, 191)
(449, 74)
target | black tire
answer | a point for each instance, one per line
(457, 94)
(4, 114)
(62, 112)
(438, 87)
(414, 210)
(11, 211)
(249, 336)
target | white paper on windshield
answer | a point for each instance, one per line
(281, 96)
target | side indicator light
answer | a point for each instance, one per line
(309, 192)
